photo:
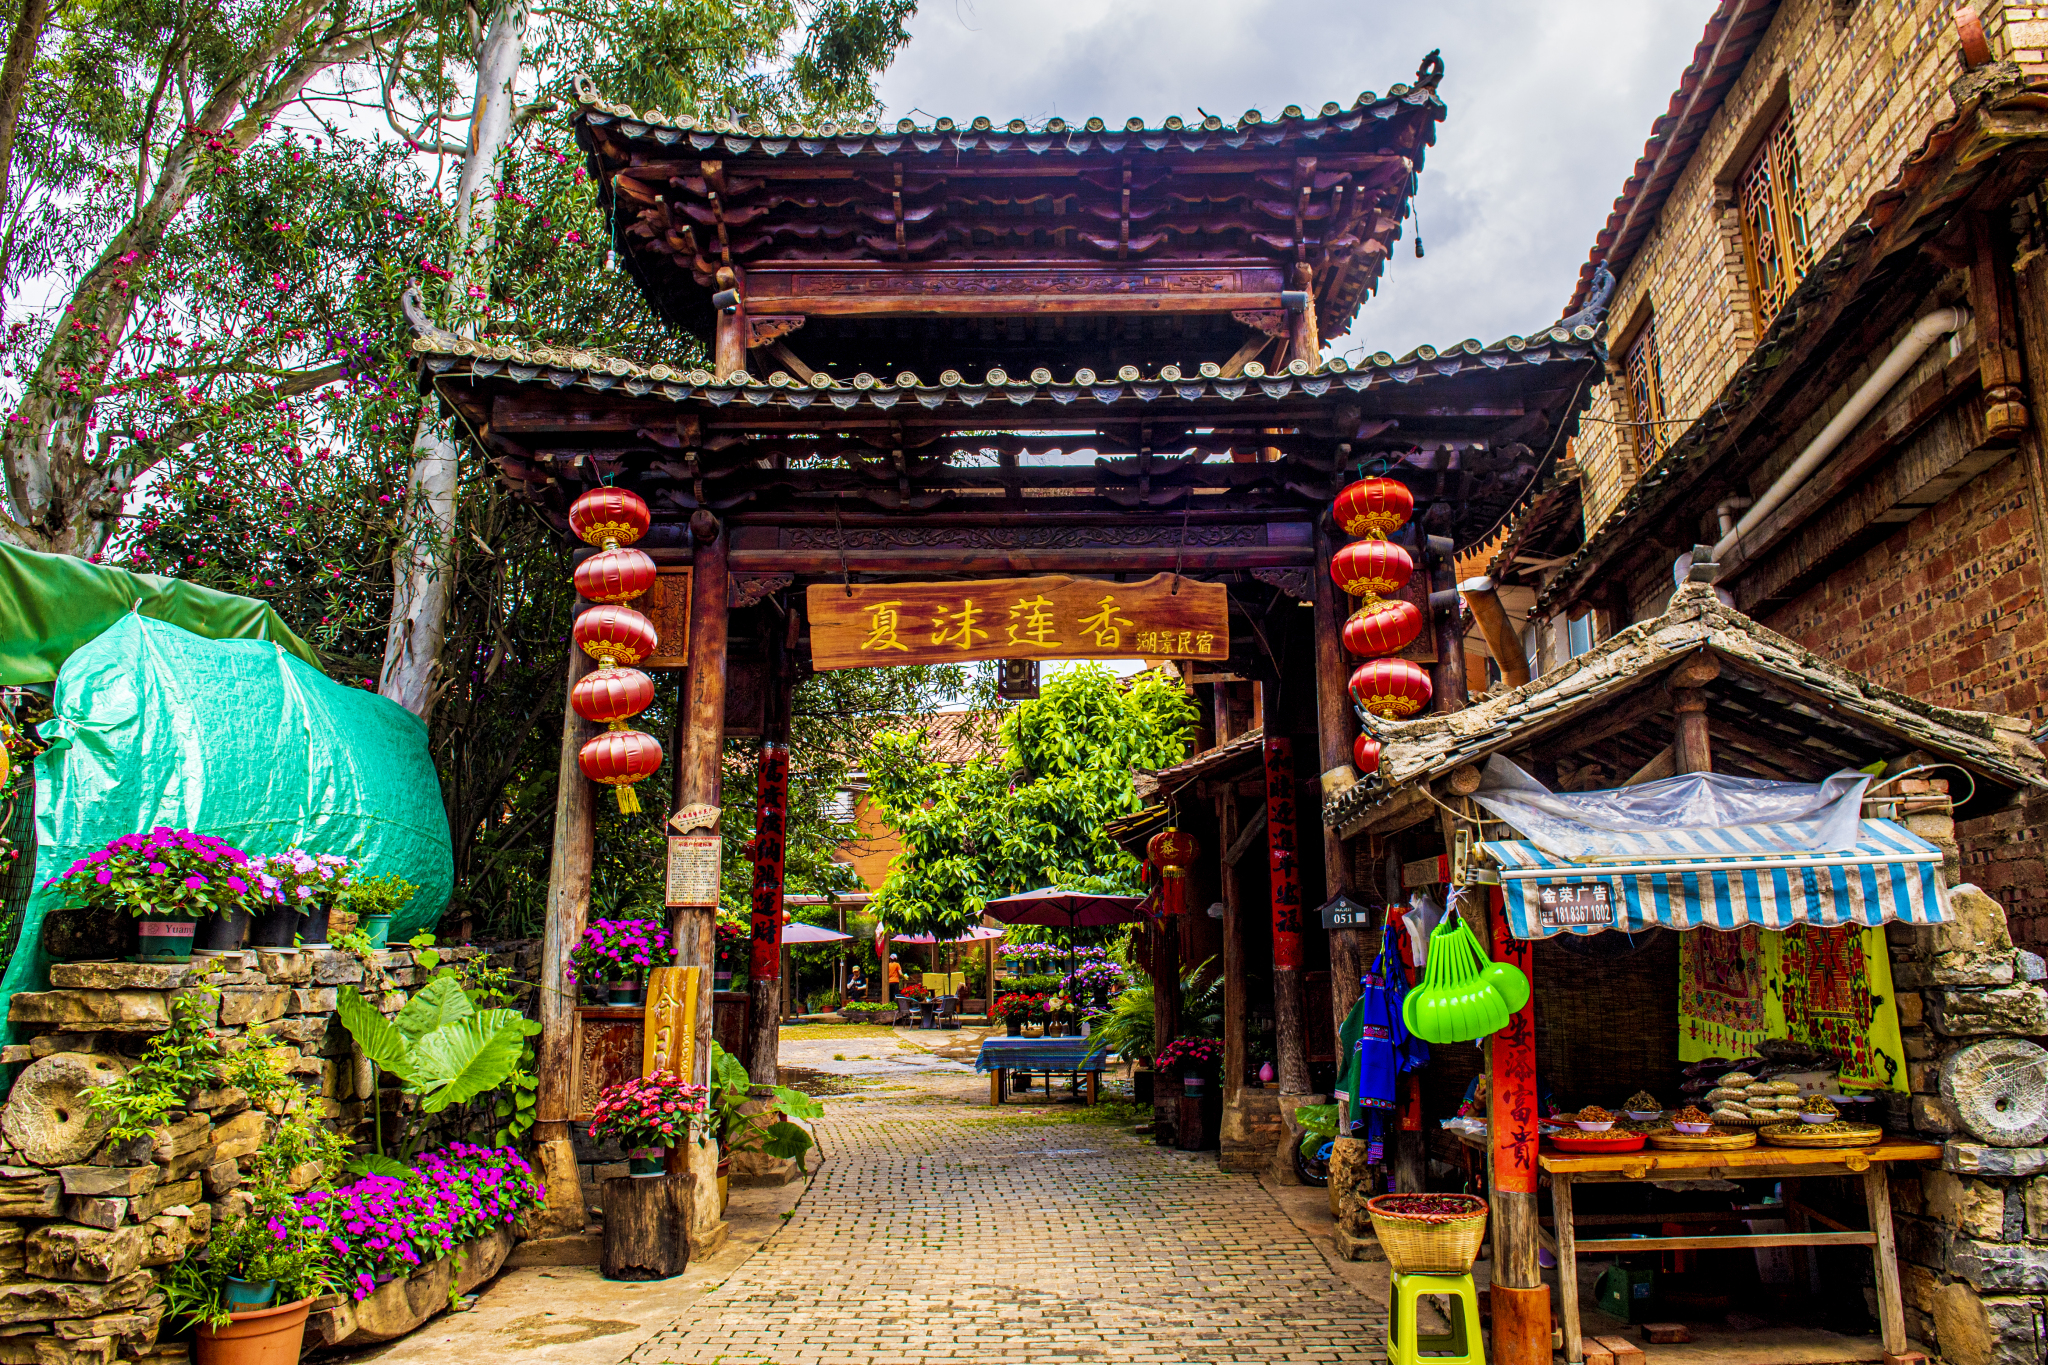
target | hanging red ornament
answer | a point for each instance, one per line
(615, 575)
(1172, 852)
(1365, 754)
(1390, 688)
(615, 635)
(1375, 507)
(619, 758)
(1371, 568)
(612, 694)
(607, 515)
(1384, 627)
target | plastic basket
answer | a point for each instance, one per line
(1428, 1244)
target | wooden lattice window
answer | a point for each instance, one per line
(1646, 429)
(1774, 243)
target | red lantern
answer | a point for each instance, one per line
(614, 575)
(619, 758)
(1385, 627)
(1390, 688)
(1172, 852)
(606, 515)
(1371, 568)
(615, 635)
(1374, 507)
(1365, 754)
(612, 694)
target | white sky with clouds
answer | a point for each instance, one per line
(1549, 100)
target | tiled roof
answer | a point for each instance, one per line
(564, 368)
(869, 138)
(1731, 35)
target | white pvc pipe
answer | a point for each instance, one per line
(1904, 356)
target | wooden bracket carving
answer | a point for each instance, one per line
(745, 592)
(771, 327)
(1272, 321)
(1294, 582)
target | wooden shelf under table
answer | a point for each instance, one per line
(1753, 1163)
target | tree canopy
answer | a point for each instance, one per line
(1033, 817)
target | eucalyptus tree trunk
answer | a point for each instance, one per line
(424, 570)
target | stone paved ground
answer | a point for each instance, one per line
(943, 1230)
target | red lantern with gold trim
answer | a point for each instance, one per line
(1365, 754)
(1390, 688)
(604, 516)
(1371, 568)
(615, 575)
(612, 694)
(619, 758)
(1173, 852)
(1375, 507)
(615, 635)
(1386, 627)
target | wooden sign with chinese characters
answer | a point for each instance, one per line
(667, 605)
(670, 1039)
(692, 869)
(1017, 618)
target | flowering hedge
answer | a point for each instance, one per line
(381, 1227)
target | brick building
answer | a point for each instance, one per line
(1828, 360)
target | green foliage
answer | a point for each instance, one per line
(987, 828)
(445, 1049)
(183, 1062)
(739, 1131)
(246, 1249)
(1128, 1032)
(1318, 1124)
(367, 896)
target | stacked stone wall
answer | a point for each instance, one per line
(86, 1224)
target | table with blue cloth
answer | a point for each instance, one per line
(1073, 1057)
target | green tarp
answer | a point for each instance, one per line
(236, 738)
(52, 604)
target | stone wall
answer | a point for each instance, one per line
(1864, 84)
(86, 1224)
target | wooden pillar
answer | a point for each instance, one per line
(1447, 674)
(1335, 728)
(1521, 1302)
(765, 984)
(729, 339)
(568, 904)
(1692, 750)
(2031, 316)
(1283, 862)
(1997, 317)
(700, 744)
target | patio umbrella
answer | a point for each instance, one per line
(1051, 908)
(795, 931)
(974, 935)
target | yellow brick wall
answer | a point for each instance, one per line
(1865, 83)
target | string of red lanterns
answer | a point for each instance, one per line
(1374, 569)
(614, 634)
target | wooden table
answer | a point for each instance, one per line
(1788, 1164)
(1050, 1056)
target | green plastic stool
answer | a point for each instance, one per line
(1462, 1345)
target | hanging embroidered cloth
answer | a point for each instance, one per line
(1825, 988)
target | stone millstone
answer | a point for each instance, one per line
(1999, 1091)
(74, 932)
(47, 1118)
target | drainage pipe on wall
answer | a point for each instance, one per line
(1904, 356)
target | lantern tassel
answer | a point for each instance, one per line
(629, 804)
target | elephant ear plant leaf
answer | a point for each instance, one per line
(438, 1003)
(443, 1048)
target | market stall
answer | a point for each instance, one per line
(1728, 870)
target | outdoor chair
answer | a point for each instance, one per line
(949, 1011)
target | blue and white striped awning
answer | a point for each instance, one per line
(1724, 879)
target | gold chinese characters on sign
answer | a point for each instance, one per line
(1017, 618)
(670, 1041)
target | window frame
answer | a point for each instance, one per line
(1647, 437)
(1779, 202)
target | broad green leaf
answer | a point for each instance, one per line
(376, 1164)
(786, 1140)
(374, 1034)
(439, 1002)
(462, 1060)
(797, 1104)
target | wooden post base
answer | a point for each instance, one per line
(646, 1227)
(1521, 1326)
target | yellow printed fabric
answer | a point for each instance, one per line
(1829, 989)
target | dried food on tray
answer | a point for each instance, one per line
(1642, 1102)
(1721, 1093)
(1736, 1078)
(1717, 1139)
(1840, 1133)
(1732, 1116)
(1822, 1105)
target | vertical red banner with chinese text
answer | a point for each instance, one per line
(1516, 1102)
(770, 834)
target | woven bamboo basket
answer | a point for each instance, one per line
(1431, 1244)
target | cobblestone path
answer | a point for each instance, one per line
(943, 1230)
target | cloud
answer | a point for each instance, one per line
(1549, 106)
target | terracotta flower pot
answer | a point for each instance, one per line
(267, 1336)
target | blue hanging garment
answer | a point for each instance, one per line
(1377, 1046)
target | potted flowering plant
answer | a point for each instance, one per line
(646, 1117)
(621, 952)
(167, 880)
(734, 947)
(291, 886)
(1193, 1058)
(1013, 1009)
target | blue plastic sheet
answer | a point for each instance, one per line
(236, 738)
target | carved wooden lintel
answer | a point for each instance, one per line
(1273, 322)
(1294, 582)
(766, 327)
(745, 592)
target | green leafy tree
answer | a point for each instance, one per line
(1034, 817)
